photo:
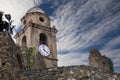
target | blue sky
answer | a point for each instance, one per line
(82, 24)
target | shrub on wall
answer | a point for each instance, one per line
(31, 57)
(110, 63)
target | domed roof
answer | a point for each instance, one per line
(35, 9)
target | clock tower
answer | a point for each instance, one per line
(37, 32)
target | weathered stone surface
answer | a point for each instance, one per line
(98, 61)
(25, 53)
(39, 62)
(14, 61)
(7, 56)
(83, 72)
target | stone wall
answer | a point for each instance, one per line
(37, 74)
(14, 60)
(7, 56)
(83, 72)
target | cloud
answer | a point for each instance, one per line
(72, 59)
(86, 25)
(114, 55)
(71, 29)
(17, 8)
(112, 43)
(81, 24)
(112, 50)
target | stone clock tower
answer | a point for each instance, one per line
(36, 30)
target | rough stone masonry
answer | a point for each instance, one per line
(13, 65)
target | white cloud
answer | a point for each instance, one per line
(68, 20)
(73, 35)
(112, 52)
(72, 59)
(114, 55)
(74, 32)
(97, 32)
(17, 8)
(112, 43)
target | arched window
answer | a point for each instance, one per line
(24, 41)
(43, 39)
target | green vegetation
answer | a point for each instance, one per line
(110, 62)
(31, 57)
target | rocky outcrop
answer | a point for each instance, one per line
(98, 61)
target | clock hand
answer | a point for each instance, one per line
(45, 50)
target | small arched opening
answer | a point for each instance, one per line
(24, 41)
(43, 39)
(19, 60)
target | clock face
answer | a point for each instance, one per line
(44, 50)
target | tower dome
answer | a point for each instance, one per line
(35, 9)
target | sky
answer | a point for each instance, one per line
(81, 25)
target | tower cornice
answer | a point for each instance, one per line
(30, 24)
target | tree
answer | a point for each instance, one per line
(4, 25)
